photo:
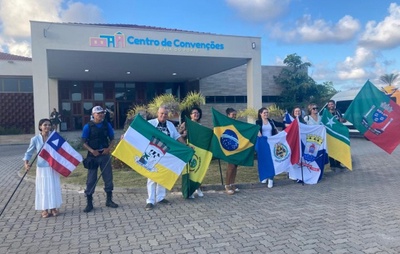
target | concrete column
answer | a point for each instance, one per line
(254, 86)
(53, 94)
(41, 91)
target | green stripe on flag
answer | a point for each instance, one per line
(338, 139)
(199, 137)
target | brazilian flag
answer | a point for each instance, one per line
(199, 138)
(233, 140)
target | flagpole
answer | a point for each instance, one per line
(13, 193)
(301, 153)
(302, 172)
(26, 172)
(220, 171)
(187, 180)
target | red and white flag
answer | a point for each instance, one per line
(60, 155)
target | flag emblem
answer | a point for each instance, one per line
(231, 141)
(379, 116)
(195, 163)
(155, 150)
(281, 151)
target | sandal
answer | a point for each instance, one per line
(55, 212)
(45, 214)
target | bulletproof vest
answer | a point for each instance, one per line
(98, 137)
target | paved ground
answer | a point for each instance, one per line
(347, 212)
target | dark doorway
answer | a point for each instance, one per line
(122, 110)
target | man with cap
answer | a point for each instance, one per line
(98, 139)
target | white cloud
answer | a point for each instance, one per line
(317, 31)
(384, 34)
(260, 10)
(361, 66)
(16, 14)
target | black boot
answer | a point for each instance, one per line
(109, 201)
(89, 206)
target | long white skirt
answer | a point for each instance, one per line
(48, 189)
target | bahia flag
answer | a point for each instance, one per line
(60, 155)
(152, 154)
(233, 140)
(277, 154)
(376, 116)
(287, 119)
(337, 139)
(199, 138)
(314, 156)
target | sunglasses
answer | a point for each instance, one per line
(315, 108)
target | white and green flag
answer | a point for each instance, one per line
(152, 153)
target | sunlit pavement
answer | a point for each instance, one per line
(347, 212)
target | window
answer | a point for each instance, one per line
(10, 85)
(26, 85)
(76, 92)
(98, 92)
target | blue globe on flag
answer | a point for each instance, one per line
(229, 140)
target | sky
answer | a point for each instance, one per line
(347, 42)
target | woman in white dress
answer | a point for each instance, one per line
(48, 189)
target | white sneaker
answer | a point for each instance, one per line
(270, 183)
(264, 181)
(191, 196)
(199, 193)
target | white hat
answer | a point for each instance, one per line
(97, 109)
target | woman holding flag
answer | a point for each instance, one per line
(195, 115)
(48, 189)
(267, 129)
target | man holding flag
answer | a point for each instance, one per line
(156, 192)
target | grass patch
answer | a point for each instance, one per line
(127, 178)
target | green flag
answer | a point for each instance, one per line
(233, 140)
(338, 139)
(376, 116)
(199, 138)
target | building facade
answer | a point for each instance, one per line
(16, 93)
(77, 66)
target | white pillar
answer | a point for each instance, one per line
(254, 86)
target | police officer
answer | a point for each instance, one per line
(98, 139)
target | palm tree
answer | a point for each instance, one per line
(389, 79)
